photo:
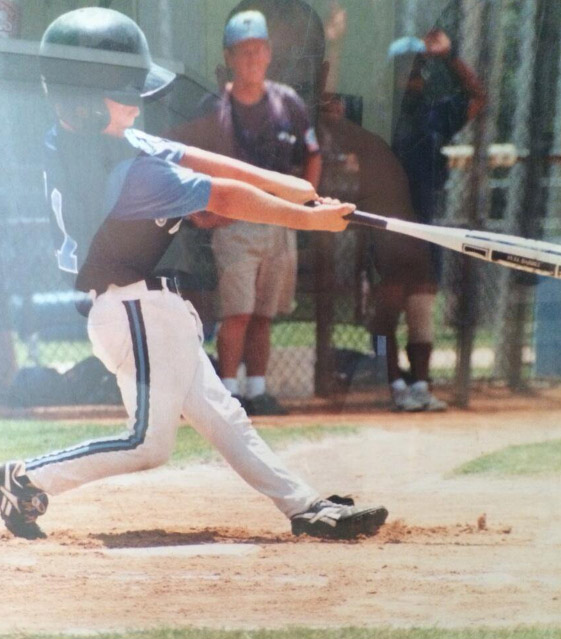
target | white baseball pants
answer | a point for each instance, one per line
(151, 340)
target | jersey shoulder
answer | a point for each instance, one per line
(155, 146)
(285, 93)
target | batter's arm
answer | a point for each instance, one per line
(287, 187)
(240, 201)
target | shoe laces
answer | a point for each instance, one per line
(323, 510)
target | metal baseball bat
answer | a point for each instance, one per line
(534, 256)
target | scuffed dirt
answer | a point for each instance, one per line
(195, 546)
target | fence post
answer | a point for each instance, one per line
(9, 28)
(324, 249)
(526, 197)
(476, 51)
(8, 365)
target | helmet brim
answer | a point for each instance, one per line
(159, 81)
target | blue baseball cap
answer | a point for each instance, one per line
(408, 45)
(246, 25)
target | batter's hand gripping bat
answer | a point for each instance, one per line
(534, 256)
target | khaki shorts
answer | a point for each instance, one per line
(256, 266)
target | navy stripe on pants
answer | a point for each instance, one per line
(138, 434)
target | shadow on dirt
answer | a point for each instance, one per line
(158, 537)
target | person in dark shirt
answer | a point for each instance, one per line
(427, 120)
(430, 116)
(117, 197)
(357, 166)
(266, 124)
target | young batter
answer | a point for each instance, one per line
(117, 196)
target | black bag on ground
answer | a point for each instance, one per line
(89, 382)
(38, 386)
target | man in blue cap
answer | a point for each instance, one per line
(266, 124)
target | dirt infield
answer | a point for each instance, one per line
(195, 546)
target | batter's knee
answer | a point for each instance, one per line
(150, 456)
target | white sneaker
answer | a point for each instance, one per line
(403, 398)
(421, 394)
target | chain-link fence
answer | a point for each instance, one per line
(503, 176)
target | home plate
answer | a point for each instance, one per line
(191, 550)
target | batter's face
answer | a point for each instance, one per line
(249, 61)
(122, 117)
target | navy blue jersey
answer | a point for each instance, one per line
(420, 134)
(116, 203)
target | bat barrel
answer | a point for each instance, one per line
(533, 256)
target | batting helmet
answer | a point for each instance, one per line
(94, 53)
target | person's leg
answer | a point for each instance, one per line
(256, 357)
(220, 419)
(389, 301)
(274, 294)
(237, 263)
(420, 326)
(388, 305)
(137, 339)
(257, 345)
(230, 345)
(419, 313)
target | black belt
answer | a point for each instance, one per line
(163, 284)
(170, 284)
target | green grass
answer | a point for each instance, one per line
(529, 459)
(29, 438)
(24, 439)
(190, 446)
(331, 633)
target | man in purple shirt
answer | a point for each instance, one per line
(266, 124)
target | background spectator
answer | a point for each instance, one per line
(360, 167)
(431, 112)
(266, 124)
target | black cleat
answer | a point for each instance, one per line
(330, 520)
(264, 404)
(21, 502)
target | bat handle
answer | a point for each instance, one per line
(367, 219)
(359, 217)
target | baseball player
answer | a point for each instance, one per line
(117, 197)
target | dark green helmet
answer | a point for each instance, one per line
(93, 53)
